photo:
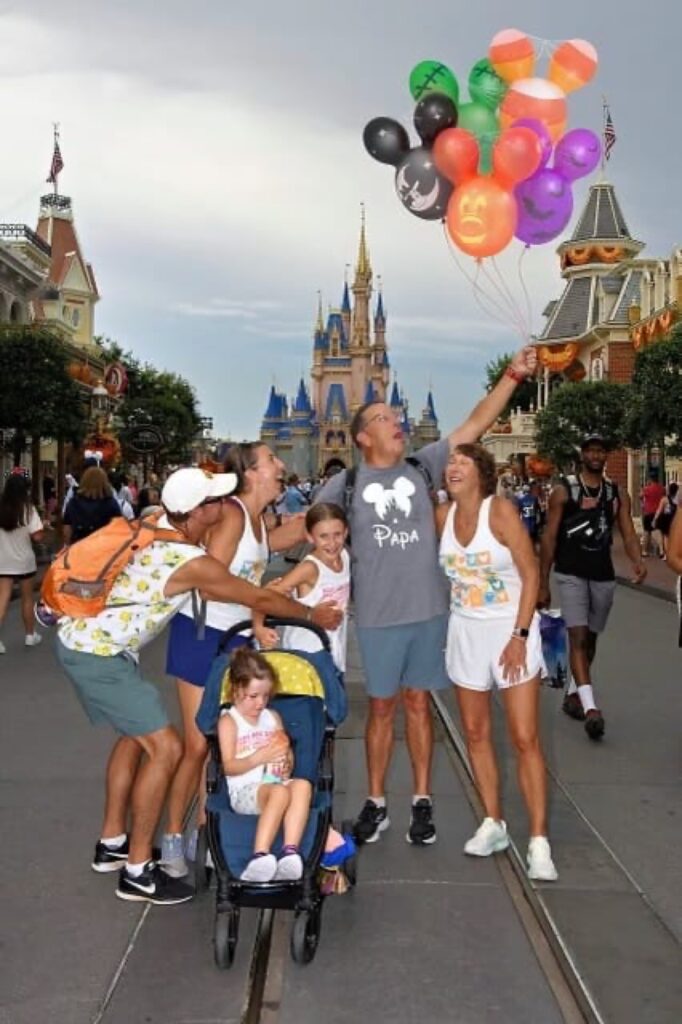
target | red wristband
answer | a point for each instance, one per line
(514, 375)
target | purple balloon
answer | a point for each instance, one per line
(541, 131)
(545, 205)
(577, 154)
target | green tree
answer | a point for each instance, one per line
(38, 398)
(656, 410)
(525, 393)
(156, 397)
(577, 409)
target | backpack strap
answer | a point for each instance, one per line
(423, 470)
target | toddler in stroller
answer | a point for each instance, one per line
(310, 701)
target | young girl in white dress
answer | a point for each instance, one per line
(257, 761)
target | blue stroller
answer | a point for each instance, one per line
(311, 701)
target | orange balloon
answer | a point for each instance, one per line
(573, 64)
(512, 55)
(516, 155)
(455, 154)
(537, 98)
(481, 217)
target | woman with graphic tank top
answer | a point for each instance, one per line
(494, 639)
(242, 542)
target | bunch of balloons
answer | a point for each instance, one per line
(502, 164)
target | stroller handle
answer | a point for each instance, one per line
(273, 622)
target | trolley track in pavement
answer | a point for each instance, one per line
(270, 950)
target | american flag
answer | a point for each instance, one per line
(609, 134)
(57, 163)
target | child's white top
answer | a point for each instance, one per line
(251, 738)
(329, 586)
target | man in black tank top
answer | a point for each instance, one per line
(577, 540)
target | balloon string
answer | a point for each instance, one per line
(514, 305)
(512, 312)
(480, 295)
(524, 287)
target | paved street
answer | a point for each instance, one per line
(427, 936)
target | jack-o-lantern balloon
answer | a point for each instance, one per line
(481, 217)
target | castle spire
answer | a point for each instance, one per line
(319, 326)
(363, 268)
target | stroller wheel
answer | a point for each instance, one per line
(305, 935)
(225, 936)
(202, 874)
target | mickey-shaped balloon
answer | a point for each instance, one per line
(572, 65)
(482, 211)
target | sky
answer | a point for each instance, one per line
(214, 155)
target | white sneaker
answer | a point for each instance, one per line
(3, 649)
(32, 639)
(490, 837)
(260, 869)
(540, 864)
(289, 868)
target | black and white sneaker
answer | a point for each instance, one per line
(153, 886)
(422, 831)
(370, 823)
(110, 858)
(113, 858)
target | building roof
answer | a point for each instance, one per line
(370, 393)
(395, 396)
(429, 413)
(630, 293)
(335, 325)
(336, 402)
(345, 301)
(571, 315)
(302, 407)
(602, 219)
(380, 316)
(60, 233)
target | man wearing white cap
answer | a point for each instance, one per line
(100, 656)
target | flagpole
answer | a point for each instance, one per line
(55, 126)
(604, 109)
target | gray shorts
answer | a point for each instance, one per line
(112, 691)
(411, 655)
(585, 602)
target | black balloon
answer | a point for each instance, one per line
(386, 140)
(421, 189)
(433, 114)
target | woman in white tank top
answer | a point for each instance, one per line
(494, 639)
(240, 541)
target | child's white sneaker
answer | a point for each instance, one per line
(289, 868)
(32, 639)
(260, 869)
(490, 837)
(540, 864)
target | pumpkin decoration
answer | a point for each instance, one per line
(557, 358)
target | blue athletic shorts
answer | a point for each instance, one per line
(189, 658)
(411, 655)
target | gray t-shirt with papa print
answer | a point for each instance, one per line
(394, 550)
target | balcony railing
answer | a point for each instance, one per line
(22, 233)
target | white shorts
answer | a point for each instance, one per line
(474, 647)
(244, 799)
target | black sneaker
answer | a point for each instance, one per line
(595, 724)
(370, 823)
(112, 858)
(572, 706)
(422, 831)
(153, 886)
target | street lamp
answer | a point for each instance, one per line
(99, 400)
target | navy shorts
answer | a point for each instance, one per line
(189, 658)
(411, 655)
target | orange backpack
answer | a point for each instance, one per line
(81, 576)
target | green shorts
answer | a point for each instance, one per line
(112, 691)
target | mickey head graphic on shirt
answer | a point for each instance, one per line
(386, 498)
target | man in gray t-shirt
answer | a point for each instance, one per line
(400, 595)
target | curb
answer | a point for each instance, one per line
(648, 588)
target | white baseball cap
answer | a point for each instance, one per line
(186, 489)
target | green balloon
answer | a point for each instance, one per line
(485, 85)
(432, 76)
(485, 126)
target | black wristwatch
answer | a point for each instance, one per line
(520, 632)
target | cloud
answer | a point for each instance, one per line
(230, 308)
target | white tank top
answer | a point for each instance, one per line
(330, 586)
(249, 563)
(484, 582)
(249, 739)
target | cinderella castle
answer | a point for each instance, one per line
(311, 433)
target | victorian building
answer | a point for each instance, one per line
(614, 302)
(350, 366)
